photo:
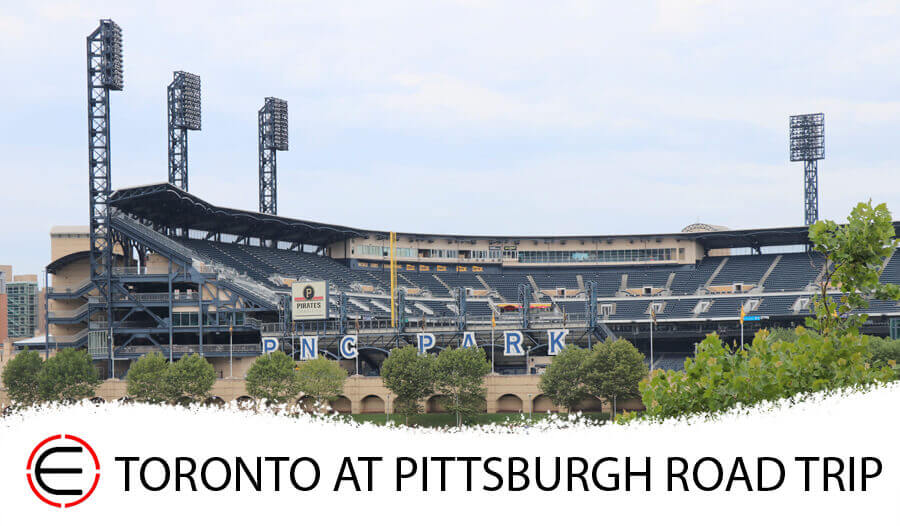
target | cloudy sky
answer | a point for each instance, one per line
(464, 116)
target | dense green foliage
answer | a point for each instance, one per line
(719, 378)
(148, 379)
(20, 378)
(885, 352)
(563, 380)
(191, 377)
(854, 255)
(321, 379)
(274, 377)
(614, 370)
(69, 375)
(410, 376)
(459, 374)
(610, 370)
(831, 354)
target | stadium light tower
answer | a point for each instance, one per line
(184, 114)
(808, 145)
(273, 136)
(104, 73)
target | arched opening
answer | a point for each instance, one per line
(590, 405)
(509, 403)
(183, 401)
(214, 401)
(97, 400)
(543, 404)
(341, 405)
(307, 404)
(371, 404)
(436, 404)
(245, 402)
(125, 400)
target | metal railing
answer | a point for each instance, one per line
(71, 338)
(69, 290)
(65, 314)
(122, 221)
(182, 349)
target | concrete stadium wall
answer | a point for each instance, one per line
(367, 394)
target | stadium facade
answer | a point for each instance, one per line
(190, 276)
(159, 268)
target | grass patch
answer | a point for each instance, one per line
(449, 419)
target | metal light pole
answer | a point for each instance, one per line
(527, 352)
(492, 343)
(651, 345)
(387, 414)
(530, 407)
(231, 351)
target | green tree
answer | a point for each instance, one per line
(191, 377)
(410, 376)
(148, 379)
(459, 374)
(854, 255)
(563, 381)
(20, 376)
(273, 377)
(885, 352)
(70, 375)
(321, 379)
(614, 370)
(719, 378)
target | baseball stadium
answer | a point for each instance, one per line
(158, 268)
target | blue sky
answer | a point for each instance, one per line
(463, 116)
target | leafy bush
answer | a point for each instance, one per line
(321, 379)
(20, 376)
(69, 375)
(149, 379)
(459, 374)
(563, 380)
(191, 377)
(273, 377)
(409, 374)
(719, 378)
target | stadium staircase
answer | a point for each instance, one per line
(442, 282)
(715, 273)
(891, 269)
(762, 280)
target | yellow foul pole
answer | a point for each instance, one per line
(393, 280)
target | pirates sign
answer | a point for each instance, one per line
(309, 300)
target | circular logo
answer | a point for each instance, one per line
(308, 292)
(63, 471)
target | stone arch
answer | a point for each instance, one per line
(436, 404)
(590, 405)
(543, 404)
(509, 403)
(245, 402)
(125, 400)
(214, 401)
(371, 404)
(183, 400)
(97, 400)
(341, 405)
(307, 404)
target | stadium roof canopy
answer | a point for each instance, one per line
(166, 205)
